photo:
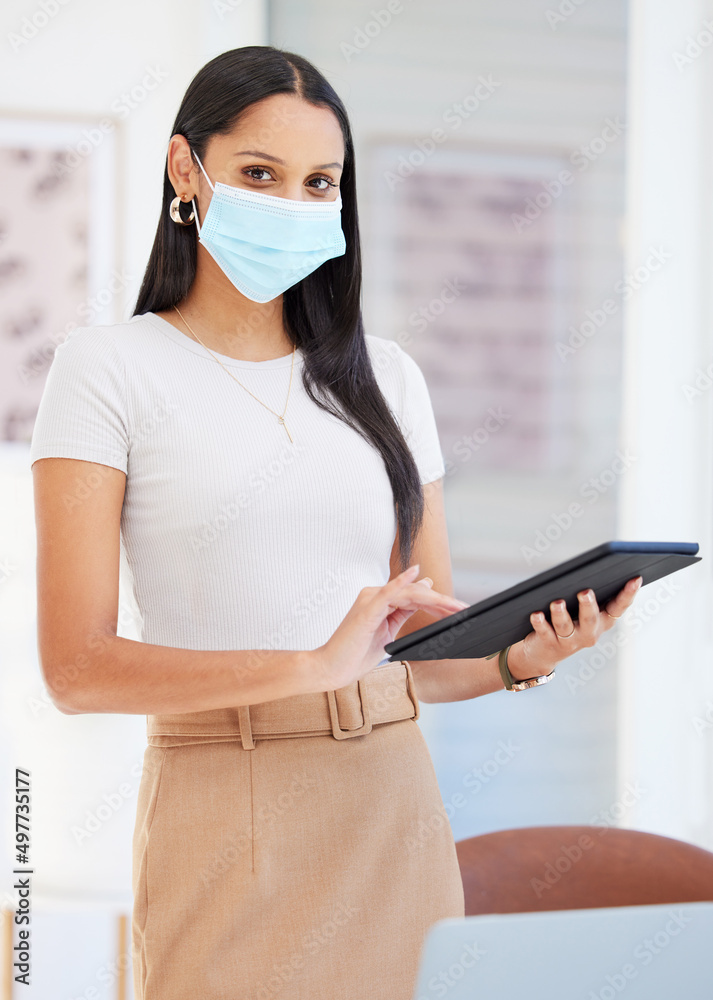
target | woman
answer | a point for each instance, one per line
(273, 473)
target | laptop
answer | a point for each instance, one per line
(660, 952)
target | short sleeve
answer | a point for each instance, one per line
(418, 420)
(82, 412)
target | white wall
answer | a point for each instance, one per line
(666, 706)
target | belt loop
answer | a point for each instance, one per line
(246, 733)
(411, 688)
(344, 734)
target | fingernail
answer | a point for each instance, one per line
(638, 583)
(586, 595)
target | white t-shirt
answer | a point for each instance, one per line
(235, 538)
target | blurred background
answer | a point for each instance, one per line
(536, 212)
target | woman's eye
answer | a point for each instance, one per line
(254, 172)
(325, 181)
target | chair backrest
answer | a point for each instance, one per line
(574, 867)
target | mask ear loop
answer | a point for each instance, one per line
(195, 212)
(193, 200)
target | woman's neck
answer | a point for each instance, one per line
(229, 323)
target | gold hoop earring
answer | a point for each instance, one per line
(176, 215)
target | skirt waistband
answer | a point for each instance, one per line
(385, 694)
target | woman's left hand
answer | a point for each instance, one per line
(543, 648)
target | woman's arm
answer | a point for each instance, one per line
(85, 665)
(538, 653)
(88, 668)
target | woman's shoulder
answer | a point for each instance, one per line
(106, 348)
(380, 346)
(128, 333)
(386, 355)
(391, 362)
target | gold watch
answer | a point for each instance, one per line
(509, 681)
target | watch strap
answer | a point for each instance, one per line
(514, 685)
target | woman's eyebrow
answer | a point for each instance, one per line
(276, 159)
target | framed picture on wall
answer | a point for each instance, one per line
(468, 269)
(58, 250)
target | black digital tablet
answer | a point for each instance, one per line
(504, 618)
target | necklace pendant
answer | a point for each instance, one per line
(281, 420)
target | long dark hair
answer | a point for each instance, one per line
(322, 313)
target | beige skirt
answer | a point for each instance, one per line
(305, 868)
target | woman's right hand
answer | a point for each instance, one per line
(373, 620)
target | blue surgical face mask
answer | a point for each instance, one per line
(266, 244)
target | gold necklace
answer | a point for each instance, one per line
(281, 419)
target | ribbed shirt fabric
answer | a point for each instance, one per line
(236, 538)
